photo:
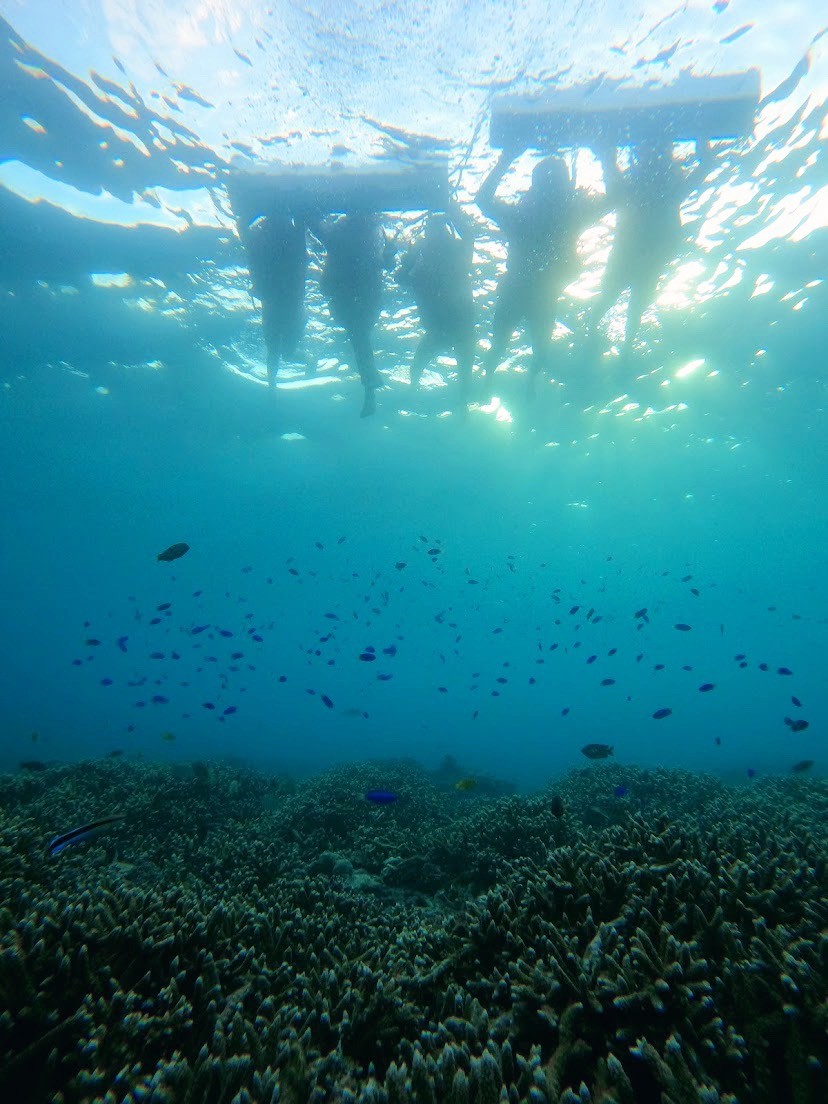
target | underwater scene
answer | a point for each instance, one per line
(414, 573)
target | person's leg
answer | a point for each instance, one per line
(463, 349)
(613, 284)
(507, 317)
(540, 322)
(642, 294)
(360, 336)
(423, 354)
(273, 341)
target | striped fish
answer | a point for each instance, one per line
(79, 835)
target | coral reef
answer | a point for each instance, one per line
(242, 938)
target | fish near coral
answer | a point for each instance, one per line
(381, 797)
(79, 835)
(597, 751)
(466, 784)
(174, 552)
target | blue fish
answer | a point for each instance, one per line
(620, 791)
(381, 797)
(79, 835)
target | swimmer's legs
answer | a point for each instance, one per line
(540, 325)
(422, 355)
(368, 374)
(641, 297)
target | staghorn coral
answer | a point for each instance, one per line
(243, 938)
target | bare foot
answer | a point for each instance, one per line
(369, 405)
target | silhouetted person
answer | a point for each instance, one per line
(542, 230)
(356, 254)
(648, 231)
(278, 260)
(437, 269)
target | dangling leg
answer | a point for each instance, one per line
(368, 374)
(540, 321)
(642, 295)
(612, 286)
(507, 317)
(464, 354)
(424, 352)
(273, 342)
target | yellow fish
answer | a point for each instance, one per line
(168, 736)
(465, 784)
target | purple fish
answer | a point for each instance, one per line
(381, 797)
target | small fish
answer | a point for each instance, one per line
(682, 627)
(784, 671)
(608, 682)
(32, 765)
(597, 751)
(556, 806)
(466, 784)
(116, 753)
(122, 642)
(620, 791)
(168, 737)
(163, 606)
(327, 701)
(79, 835)
(174, 552)
(750, 772)
(706, 687)
(802, 766)
(718, 741)
(230, 710)
(381, 797)
(367, 657)
(798, 725)
(660, 714)
(796, 701)
(92, 642)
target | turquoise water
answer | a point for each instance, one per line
(135, 416)
(457, 588)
